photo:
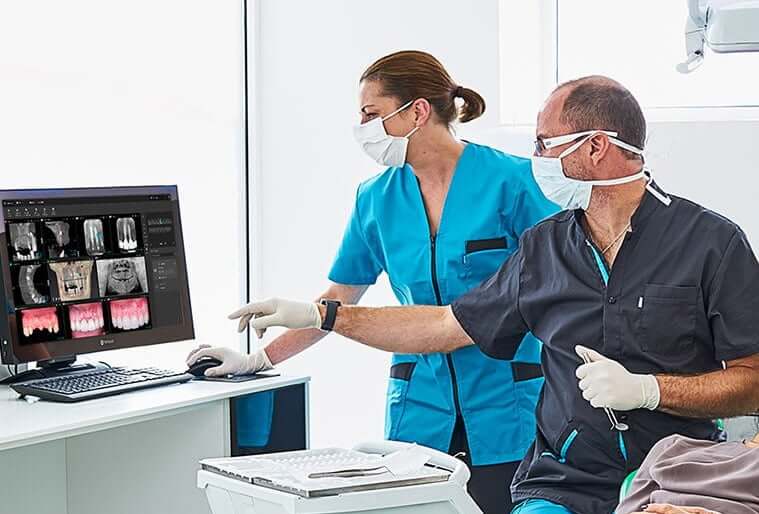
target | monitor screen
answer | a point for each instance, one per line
(86, 270)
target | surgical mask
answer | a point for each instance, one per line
(387, 150)
(570, 193)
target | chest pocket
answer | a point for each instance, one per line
(669, 317)
(483, 257)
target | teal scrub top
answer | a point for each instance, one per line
(491, 200)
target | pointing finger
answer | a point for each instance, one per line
(264, 307)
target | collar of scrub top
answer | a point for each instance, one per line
(648, 205)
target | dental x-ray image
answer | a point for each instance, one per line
(24, 241)
(122, 276)
(61, 239)
(39, 325)
(126, 234)
(31, 285)
(94, 237)
(73, 279)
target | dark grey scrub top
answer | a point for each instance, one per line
(682, 297)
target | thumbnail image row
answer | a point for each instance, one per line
(69, 281)
(74, 237)
(82, 320)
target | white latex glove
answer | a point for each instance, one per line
(232, 362)
(276, 312)
(606, 383)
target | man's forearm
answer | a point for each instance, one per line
(293, 342)
(413, 329)
(730, 392)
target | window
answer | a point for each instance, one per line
(638, 43)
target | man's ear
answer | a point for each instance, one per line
(599, 147)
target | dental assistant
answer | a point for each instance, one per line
(659, 293)
(441, 219)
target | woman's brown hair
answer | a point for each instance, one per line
(411, 74)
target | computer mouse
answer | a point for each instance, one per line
(200, 366)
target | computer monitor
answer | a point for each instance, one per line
(90, 269)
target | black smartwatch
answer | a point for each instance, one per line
(329, 318)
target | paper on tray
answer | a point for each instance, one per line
(406, 461)
(400, 463)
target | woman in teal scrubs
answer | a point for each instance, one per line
(439, 220)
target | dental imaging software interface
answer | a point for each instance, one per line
(92, 266)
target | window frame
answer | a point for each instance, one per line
(545, 76)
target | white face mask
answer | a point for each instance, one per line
(387, 150)
(570, 193)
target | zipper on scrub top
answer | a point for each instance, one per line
(600, 264)
(439, 300)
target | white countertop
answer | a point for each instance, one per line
(23, 423)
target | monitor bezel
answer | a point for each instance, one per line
(12, 351)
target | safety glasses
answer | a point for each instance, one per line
(543, 144)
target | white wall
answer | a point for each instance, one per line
(99, 93)
(310, 57)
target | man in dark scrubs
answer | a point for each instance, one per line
(658, 294)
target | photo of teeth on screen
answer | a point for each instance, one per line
(86, 320)
(30, 284)
(126, 234)
(130, 314)
(73, 279)
(24, 241)
(40, 324)
(94, 237)
(122, 276)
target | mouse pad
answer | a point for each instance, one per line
(239, 378)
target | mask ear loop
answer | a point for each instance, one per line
(412, 132)
(399, 109)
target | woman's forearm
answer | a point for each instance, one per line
(292, 343)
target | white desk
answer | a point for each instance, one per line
(126, 454)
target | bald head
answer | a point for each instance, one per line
(598, 102)
(592, 104)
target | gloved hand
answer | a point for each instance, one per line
(232, 362)
(276, 312)
(606, 383)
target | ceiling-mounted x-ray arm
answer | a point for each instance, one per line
(725, 26)
(697, 12)
(695, 26)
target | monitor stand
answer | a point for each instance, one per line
(50, 369)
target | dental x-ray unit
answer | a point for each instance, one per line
(725, 26)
